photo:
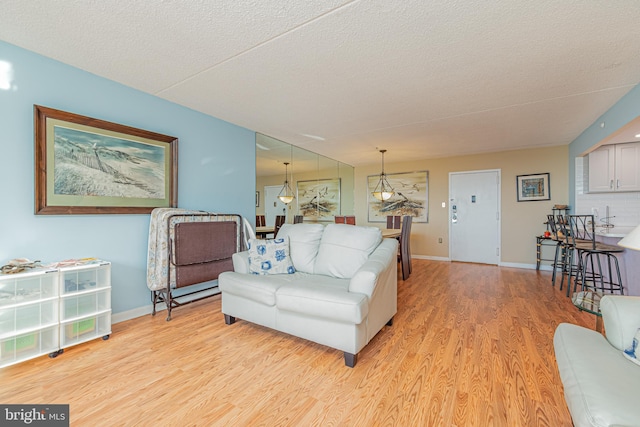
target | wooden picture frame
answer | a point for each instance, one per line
(533, 187)
(90, 166)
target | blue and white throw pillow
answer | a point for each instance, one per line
(633, 352)
(270, 256)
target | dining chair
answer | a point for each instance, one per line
(345, 219)
(394, 222)
(260, 221)
(298, 219)
(280, 220)
(405, 246)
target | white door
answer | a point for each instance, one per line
(272, 205)
(474, 216)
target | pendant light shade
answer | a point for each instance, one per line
(383, 190)
(286, 194)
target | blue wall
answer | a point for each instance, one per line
(216, 169)
(625, 110)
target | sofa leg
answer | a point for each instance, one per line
(229, 320)
(350, 359)
(390, 322)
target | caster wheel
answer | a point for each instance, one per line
(56, 353)
(106, 337)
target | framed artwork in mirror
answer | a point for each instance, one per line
(89, 166)
(319, 198)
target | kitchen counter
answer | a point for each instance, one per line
(619, 232)
(629, 259)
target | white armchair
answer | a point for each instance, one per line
(600, 384)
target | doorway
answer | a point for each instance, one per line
(272, 205)
(474, 216)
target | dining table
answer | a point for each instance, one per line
(262, 231)
(392, 233)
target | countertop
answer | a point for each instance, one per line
(616, 231)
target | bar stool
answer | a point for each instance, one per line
(568, 249)
(600, 275)
(559, 258)
(583, 238)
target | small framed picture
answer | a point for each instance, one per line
(533, 187)
(257, 199)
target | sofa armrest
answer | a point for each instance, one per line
(366, 278)
(241, 262)
(621, 317)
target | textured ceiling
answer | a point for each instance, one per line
(420, 78)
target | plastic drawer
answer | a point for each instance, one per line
(27, 346)
(28, 287)
(28, 316)
(85, 329)
(78, 305)
(85, 278)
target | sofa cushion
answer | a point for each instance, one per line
(270, 256)
(345, 248)
(327, 302)
(304, 241)
(258, 288)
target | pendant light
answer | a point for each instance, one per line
(286, 195)
(383, 190)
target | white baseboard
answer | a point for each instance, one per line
(136, 312)
(525, 266)
(148, 309)
(431, 258)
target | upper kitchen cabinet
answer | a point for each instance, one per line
(615, 168)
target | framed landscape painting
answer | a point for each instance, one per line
(89, 166)
(319, 198)
(411, 197)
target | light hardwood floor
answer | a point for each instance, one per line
(471, 345)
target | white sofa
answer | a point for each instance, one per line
(601, 386)
(343, 292)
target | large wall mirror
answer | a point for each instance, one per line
(322, 187)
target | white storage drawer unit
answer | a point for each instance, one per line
(88, 328)
(85, 303)
(28, 315)
(45, 310)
